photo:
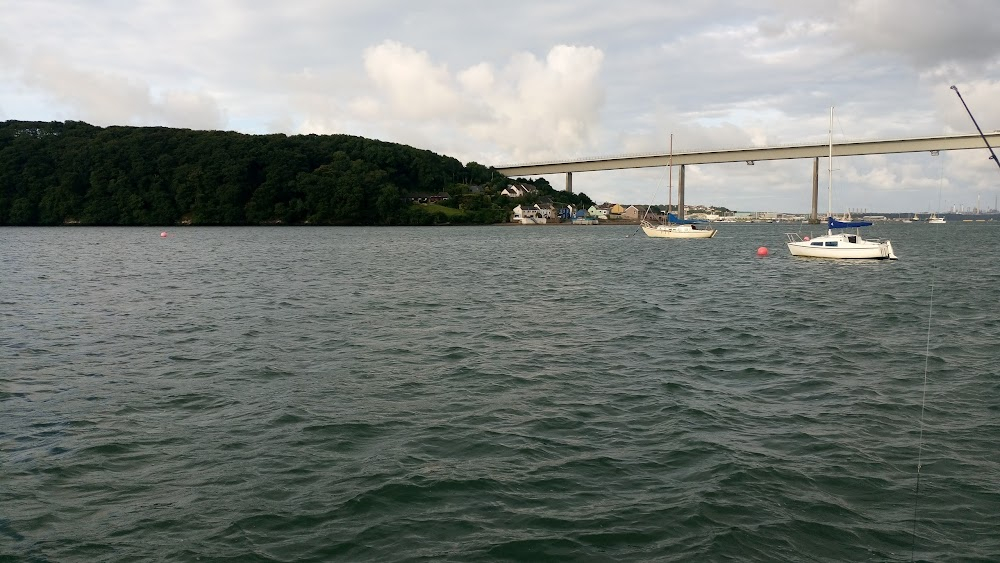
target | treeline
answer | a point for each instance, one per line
(54, 173)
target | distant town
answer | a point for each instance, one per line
(545, 211)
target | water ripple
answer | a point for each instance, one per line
(479, 394)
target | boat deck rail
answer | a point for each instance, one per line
(796, 237)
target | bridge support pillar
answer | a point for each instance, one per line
(814, 218)
(569, 182)
(680, 193)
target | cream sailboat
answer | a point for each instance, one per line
(674, 226)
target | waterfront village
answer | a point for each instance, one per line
(546, 212)
(538, 209)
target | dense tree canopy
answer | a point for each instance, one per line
(54, 173)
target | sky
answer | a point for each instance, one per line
(528, 81)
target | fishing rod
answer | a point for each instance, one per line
(993, 155)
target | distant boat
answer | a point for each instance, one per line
(839, 245)
(675, 227)
(935, 220)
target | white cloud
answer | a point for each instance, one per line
(413, 86)
(105, 98)
(532, 108)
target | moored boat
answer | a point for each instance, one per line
(669, 230)
(675, 227)
(839, 245)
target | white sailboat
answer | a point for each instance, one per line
(934, 219)
(840, 244)
(675, 227)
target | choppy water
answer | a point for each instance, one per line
(495, 393)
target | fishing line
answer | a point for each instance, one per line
(927, 350)
(923, 400)
(920, 440)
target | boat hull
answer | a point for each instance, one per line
(842, 247)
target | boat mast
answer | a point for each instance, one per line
(829, 187)
(670, 175)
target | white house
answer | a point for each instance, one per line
(537, 214)
(518, 190)
(530, 215)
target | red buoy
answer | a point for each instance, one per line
(762, 251)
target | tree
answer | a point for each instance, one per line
(54, 172)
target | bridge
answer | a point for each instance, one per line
(750, 156)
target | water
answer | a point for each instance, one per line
(495, 393)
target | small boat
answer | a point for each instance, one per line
(674, 226)
(839, 245)
(935, 220)
(677, 228)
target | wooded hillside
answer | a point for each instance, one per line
(55, 173)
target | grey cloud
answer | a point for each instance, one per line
(105, 98)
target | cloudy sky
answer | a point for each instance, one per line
(529, 81)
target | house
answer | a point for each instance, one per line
(615, 211)
(538, 213)
(568, 212)
(547, 210)
(599, 212)
(631, 213)
(531, 214)
(518, 190)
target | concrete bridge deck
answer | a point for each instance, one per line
(854, 148)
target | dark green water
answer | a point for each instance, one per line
(496, 393)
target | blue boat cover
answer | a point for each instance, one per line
(671, 218)
(835, 224)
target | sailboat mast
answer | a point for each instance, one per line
(829, 187)
(670, 175)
